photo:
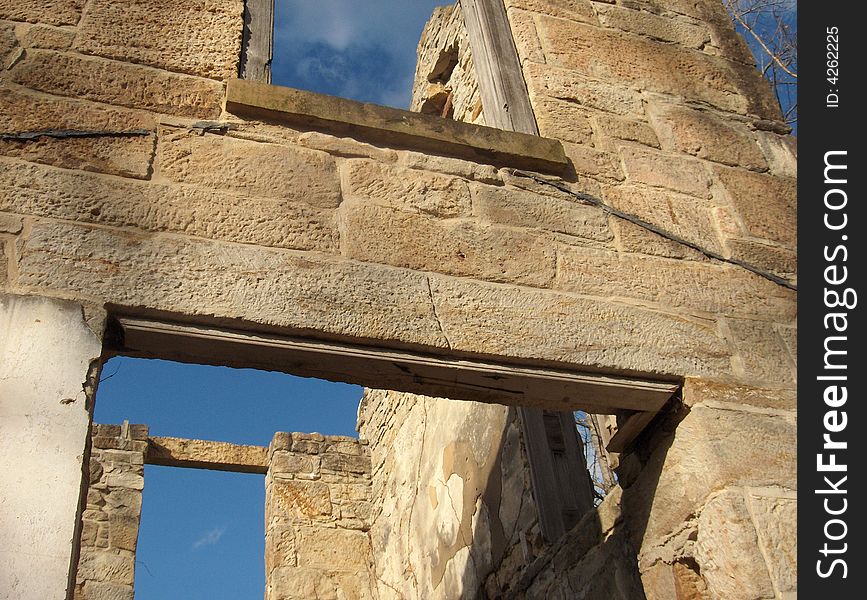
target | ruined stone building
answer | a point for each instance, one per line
(591, 207)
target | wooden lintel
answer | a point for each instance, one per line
(205, 454)
(460, 379)
(628, 429)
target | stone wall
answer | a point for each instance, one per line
(445, 77)
(110, 522)
(454, 516)
(168, 205)
(317, 515)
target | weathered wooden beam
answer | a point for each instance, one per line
(392, 126)
(505, 101)
(205, 454)
(628, 429)
(257, 41)
(457, 378)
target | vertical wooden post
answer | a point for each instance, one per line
(498, 69)
(257, 42)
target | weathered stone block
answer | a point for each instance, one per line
(123, 531)
(346, 463)
(761, 353)
(310, 498)
(267, 287)
(103, 590)
(592, 162)
(689, 286)
(199, 37)
(122, 84)
(287, 462)
(564, 84)
(8, 41)
(781, 152)
(49, 38)
(507, 321)
(249, 168)
(767, 204)
(10, 223)
(526, 39)
(280, 550)
(52, 12)
(49, 192)
(626, 129)
(706, 135)
(727, 550)
(333, 549)
(666, 29)
(102, 566)
(707, 453)
(575, 10)
(553, 213)
(666, 68)
(465, 169)
(562, 120)
(657, 169)
(112, 153)
(346, 147)
(403, 239)
(681, 215)
(777, 260)
(406, 188)
(714, 393)
(776, 525)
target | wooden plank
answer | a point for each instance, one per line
(458, 378)
(205, 454)
(502, 88)
(628, 429)
(395, 127)
(546, 488)
(257, 41)
(576, 489)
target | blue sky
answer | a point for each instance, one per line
(202, 532)
(363, 50)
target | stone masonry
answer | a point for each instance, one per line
(110, 522)
(170, 207)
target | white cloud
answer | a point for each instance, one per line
(210, 538)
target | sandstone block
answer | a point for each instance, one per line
(657, 169)
(10, 223)
(681, 215)
(249, 168)
(575, 10)
(653, 26)
(727, 550)
(123, 532)
(526, 39)
(666, 68)
(781, 152)
(126, 156)
(263, 286)
(553, 213)
(450, 166)
(678, 285)
(504, 320)
(122, 84)
(626, 129)
(562, 120)
(286, 462)
(568, 85)
(346, 147)
(592, 162)
(706, 135)
(333, 549)
(8, 41)
(310, 498)
(708, 452)
(199, 37)
(714, 393)
(52, 12)
(102, 566)
(634, 239)
(761, 351)
(49, 192)
(49, 38)
(384, 235)
(776, 525)
(777, 260)
(406, 188)
(104, 590)
(767, 204)
(346, 463)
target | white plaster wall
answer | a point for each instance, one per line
(45, 351)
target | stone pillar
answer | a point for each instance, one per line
(48, 356)
(110, 523)
(317, 514)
